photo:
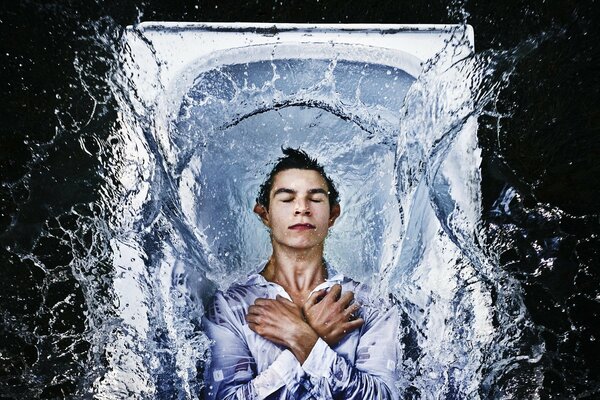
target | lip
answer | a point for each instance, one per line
(302, 227)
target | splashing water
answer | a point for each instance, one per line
(406, 164)
(179, 180)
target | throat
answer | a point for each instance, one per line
(297, 279)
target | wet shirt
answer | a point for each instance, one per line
(244, 365)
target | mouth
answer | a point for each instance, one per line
(301, 227)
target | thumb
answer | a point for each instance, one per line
(282, 299)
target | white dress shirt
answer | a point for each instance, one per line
(244, 365)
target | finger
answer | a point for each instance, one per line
(256, 321)
(290, 305)
(252, 326)
(351, 310)
(252, 319)
(255, 310)
(315, 297)
(346, 299)
(283, 300)
(334, 293)
(352, 325)
(262, 302)
(259, 329)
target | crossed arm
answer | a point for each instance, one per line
(310, 368)
(328, 316)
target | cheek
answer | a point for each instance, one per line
(323, 217)
(277, 219)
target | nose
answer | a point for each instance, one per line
(302, 208)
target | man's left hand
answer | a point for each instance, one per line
(281, 321)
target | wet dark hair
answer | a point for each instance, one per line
(295, 159)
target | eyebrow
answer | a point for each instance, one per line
(292, 191)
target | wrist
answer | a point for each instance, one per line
(303, 343)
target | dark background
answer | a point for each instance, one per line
(541, 138)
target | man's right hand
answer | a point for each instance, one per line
(332, 316)
(280, 321)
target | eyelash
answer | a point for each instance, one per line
(313, 200)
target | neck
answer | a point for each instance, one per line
(298, 272)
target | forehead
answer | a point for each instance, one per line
(298, 179)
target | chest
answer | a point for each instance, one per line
(265, 352)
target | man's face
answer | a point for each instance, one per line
(299, 214)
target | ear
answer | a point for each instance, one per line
(334, 214)
(263, 213)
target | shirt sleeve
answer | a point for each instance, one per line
(232, 370)
(374, 374)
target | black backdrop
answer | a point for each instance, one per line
(549, 151)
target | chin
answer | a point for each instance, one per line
(301, 245)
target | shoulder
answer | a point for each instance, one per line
(232, 303)
(363, 293)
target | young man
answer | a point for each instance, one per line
(298, 330)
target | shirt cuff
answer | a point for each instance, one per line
(287, 367)
(319, 361)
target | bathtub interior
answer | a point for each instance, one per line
(208, 108)
(342, 112)
(225, 99)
